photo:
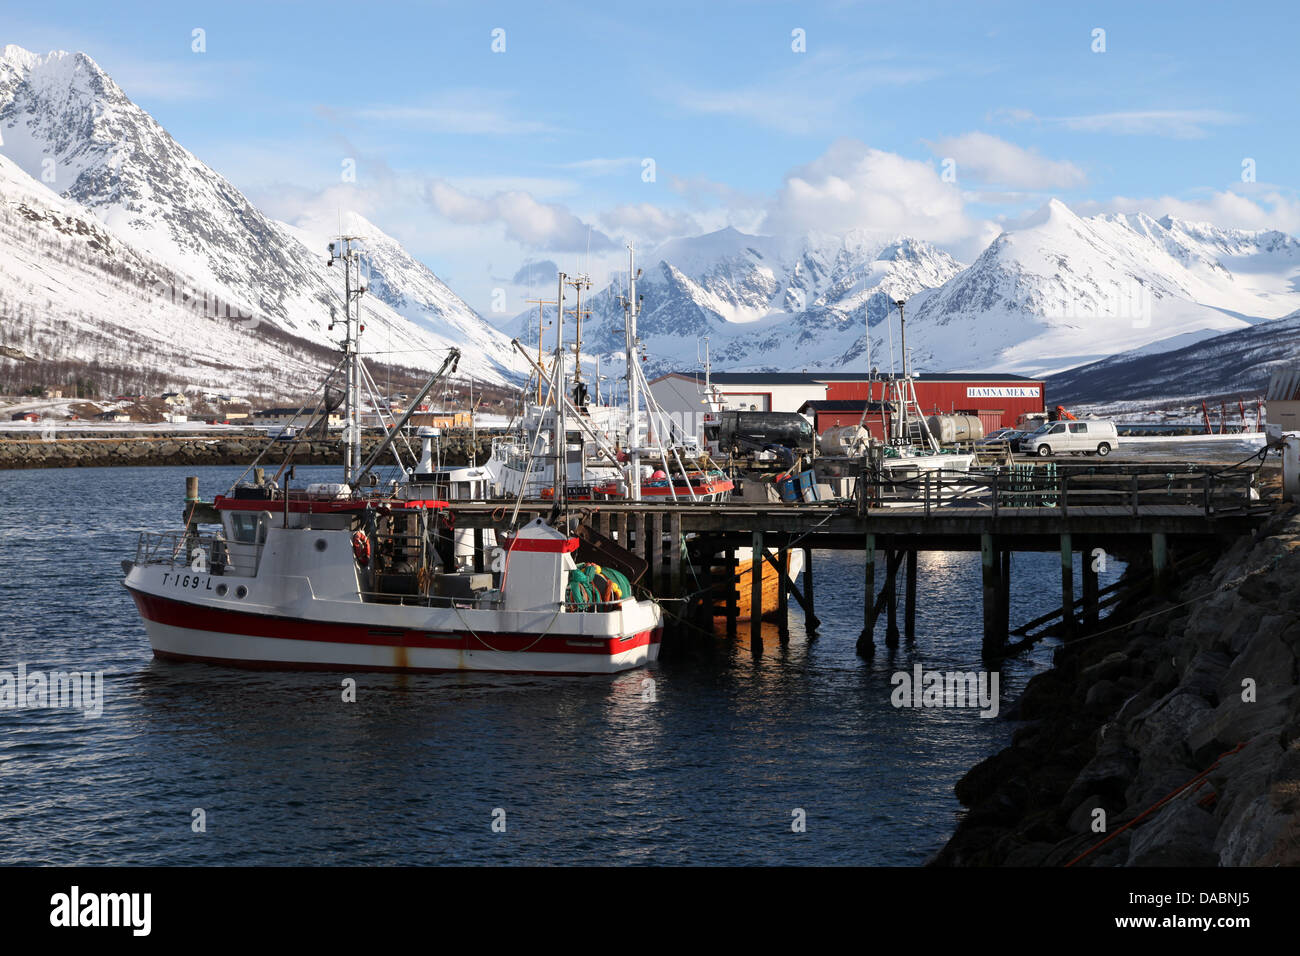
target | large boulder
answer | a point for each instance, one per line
(1180, 834)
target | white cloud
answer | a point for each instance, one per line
(538, 186)
(647, 221)
(537, 225)
(602, 166)
(1179, 124)
(853, 186)
(804, 98)
(987, 159)
(473, 112)
(1175, 124)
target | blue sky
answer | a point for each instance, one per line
(483, 161)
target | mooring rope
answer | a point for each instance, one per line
(1200, 777)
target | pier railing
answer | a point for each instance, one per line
(1064, 489)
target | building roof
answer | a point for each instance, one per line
(836, 404)
(819, 378)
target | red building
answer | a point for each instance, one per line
(999, 400)
(837, 398)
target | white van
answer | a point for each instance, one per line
(1058, 438)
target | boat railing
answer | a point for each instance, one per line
(205, 552)
(490, 599)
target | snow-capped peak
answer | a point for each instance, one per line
(64, 121)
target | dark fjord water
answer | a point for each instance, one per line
(586, 770)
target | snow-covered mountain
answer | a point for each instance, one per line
(1063, 290)
(1236, 363)
(767, 302)
(1057, 292)
(67, 124)
(74, 293)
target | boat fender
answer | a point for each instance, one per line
(361, 547)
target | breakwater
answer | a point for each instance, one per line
(1171, 737)
(171, 449)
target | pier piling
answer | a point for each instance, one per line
(654, 539)
(892, 561)
(639, 545)
(810, 616)
(675, 552)
(1090, 593)
(909, 600)
(1160, 563)
(1004, 594)
(1067, 586)
(867, 640)
(733, 591)
(994, 636)
(783, 591)
(756, 592)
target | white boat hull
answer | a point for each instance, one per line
(315, 634)
(241, 650)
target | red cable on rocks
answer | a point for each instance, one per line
(1157, 805)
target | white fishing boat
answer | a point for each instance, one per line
(597, 452)
(352, 576)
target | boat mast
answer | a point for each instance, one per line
(346, 249)
(902, 394)
(577, 283)
(866, 408)
(561, 471)
(541, 325)
(630, 309)
(580, 396)
(708, 372)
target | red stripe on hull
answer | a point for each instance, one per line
(256, 665)
(221, 621)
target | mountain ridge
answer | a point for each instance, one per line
(64, 120)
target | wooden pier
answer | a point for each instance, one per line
(691, 548)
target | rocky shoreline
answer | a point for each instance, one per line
(163, 449)
(1194, 695)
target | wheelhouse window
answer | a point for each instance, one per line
(243, 528)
